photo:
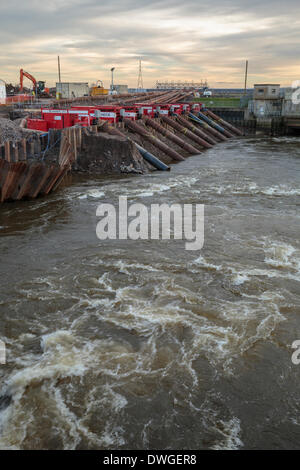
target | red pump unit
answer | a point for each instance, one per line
(146, 109)
(88, 115)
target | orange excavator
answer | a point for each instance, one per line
(38, 87)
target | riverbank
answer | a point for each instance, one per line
(37, 165)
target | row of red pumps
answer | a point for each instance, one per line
(88, 115)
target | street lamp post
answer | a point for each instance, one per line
(112, 78)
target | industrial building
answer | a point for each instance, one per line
(2, 92)
(120, 89)
(72, 89)
(267, 101)
(266, 91)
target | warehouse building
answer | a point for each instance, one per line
(72, 89)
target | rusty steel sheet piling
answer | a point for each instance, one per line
(137, 128)
(25, 174)
(223, 122)
(174, 138)
(171, 122)
(204, 135)
(207, 127)
(19, 179)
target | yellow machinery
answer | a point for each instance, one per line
(99, 89)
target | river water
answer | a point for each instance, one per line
(142, 344)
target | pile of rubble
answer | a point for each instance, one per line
(10, 130)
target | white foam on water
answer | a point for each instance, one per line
(242, 326)
(74, 427)
(106, 282)
(239, 279)
(283, 260)
(125, 267)
(252, 188)
(281, 190)
(229, 435)
(282, 255)
(203, 262)
(94, 193)
(172, 311)
(64, 356)
(152, 188)
(148, 194)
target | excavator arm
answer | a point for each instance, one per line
(27, 75)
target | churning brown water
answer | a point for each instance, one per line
(142, 344)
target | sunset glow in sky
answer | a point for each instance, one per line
(190, 40)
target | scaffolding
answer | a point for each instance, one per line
(172, 85)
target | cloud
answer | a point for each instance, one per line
(177, 40)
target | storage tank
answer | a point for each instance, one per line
(2, 92)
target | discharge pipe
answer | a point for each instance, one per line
(208, 128)
(214, 124)
(223, 122)
(186, 132)
(158, 164)
(152, 159)
(177, 140)
(184, 121)
(154, 140)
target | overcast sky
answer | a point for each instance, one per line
(177, 40)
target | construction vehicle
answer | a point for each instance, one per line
(206, 92)
(98, 89)
(38, 86)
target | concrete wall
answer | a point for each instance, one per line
(72, 89)
(2, 92)
(291, 103)
(265, 108)
(290, 109)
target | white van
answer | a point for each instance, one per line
(207, 93)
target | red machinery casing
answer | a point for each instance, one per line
(87, 115)
(104, 112)
(196, 107)
(37, 124)
(146, 109)
(129, 112)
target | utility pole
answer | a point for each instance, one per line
(140, 77)
(58, 62)
(246, 76)
(58, 93)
